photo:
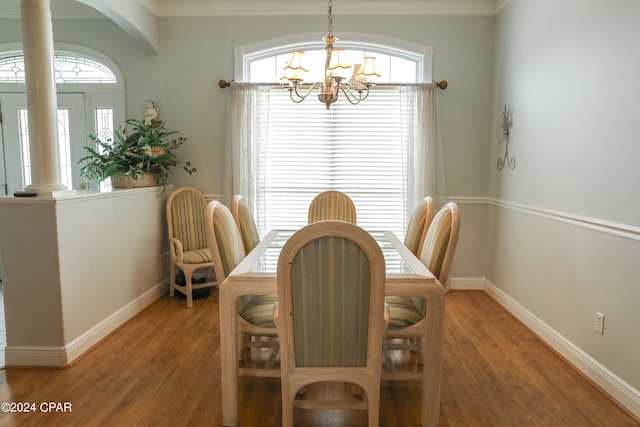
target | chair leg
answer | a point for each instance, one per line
(288, 397)
(172, 278)
(373, 406)
(188, 274)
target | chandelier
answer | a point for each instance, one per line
(355, 90)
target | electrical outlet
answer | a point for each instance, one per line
(600, 323)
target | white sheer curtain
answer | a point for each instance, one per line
(422, 146)
(246, 151)
(246, 145)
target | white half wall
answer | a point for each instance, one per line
(77, 268)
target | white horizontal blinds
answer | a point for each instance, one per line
(368, 158)
(352, 148)
(299, 157)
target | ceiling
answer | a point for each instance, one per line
(169, 8)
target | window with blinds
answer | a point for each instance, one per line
(356, 149)
(352, 148)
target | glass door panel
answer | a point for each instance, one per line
(15, 140)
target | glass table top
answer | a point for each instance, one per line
(268, 261)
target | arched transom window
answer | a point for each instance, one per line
(398, 62)
(69, 68)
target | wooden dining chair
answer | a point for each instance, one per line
(188, 247)
(408, 319)
(246, 223)
(254, 312)
(331, 315)
(332, 205)
(418, 225)
(416, 317)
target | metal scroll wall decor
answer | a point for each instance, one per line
(507, 124)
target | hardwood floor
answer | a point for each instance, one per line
(163, 369)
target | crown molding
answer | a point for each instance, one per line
(69, 9)
(199, 8)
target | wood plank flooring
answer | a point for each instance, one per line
(163, 369)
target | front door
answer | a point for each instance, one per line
(15, 173)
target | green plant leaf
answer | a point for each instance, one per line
(146, 148)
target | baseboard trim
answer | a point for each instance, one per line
(624, 394)
(34, 356)
(61, 357)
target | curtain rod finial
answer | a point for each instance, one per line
(224, 84)
(442, 84)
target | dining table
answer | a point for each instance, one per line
(405, 276)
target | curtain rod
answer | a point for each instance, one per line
(441, 84)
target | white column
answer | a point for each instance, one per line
(42, 102)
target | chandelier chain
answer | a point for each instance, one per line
(330, 16)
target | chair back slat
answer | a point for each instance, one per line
(436, 242)
(332, 205)
(331, 284)
(440, 242)
(188, 222)
(246, 223)
(227, 243)
(331, 279)
(418, 225)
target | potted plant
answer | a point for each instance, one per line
(138, 159)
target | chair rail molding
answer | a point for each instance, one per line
(617, 229)
(609, 227)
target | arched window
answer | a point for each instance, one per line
(68, 68)
(357, 149)
(90, 100)
(398, 61)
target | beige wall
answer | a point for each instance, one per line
(565, 224)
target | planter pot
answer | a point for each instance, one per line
(148, 179)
